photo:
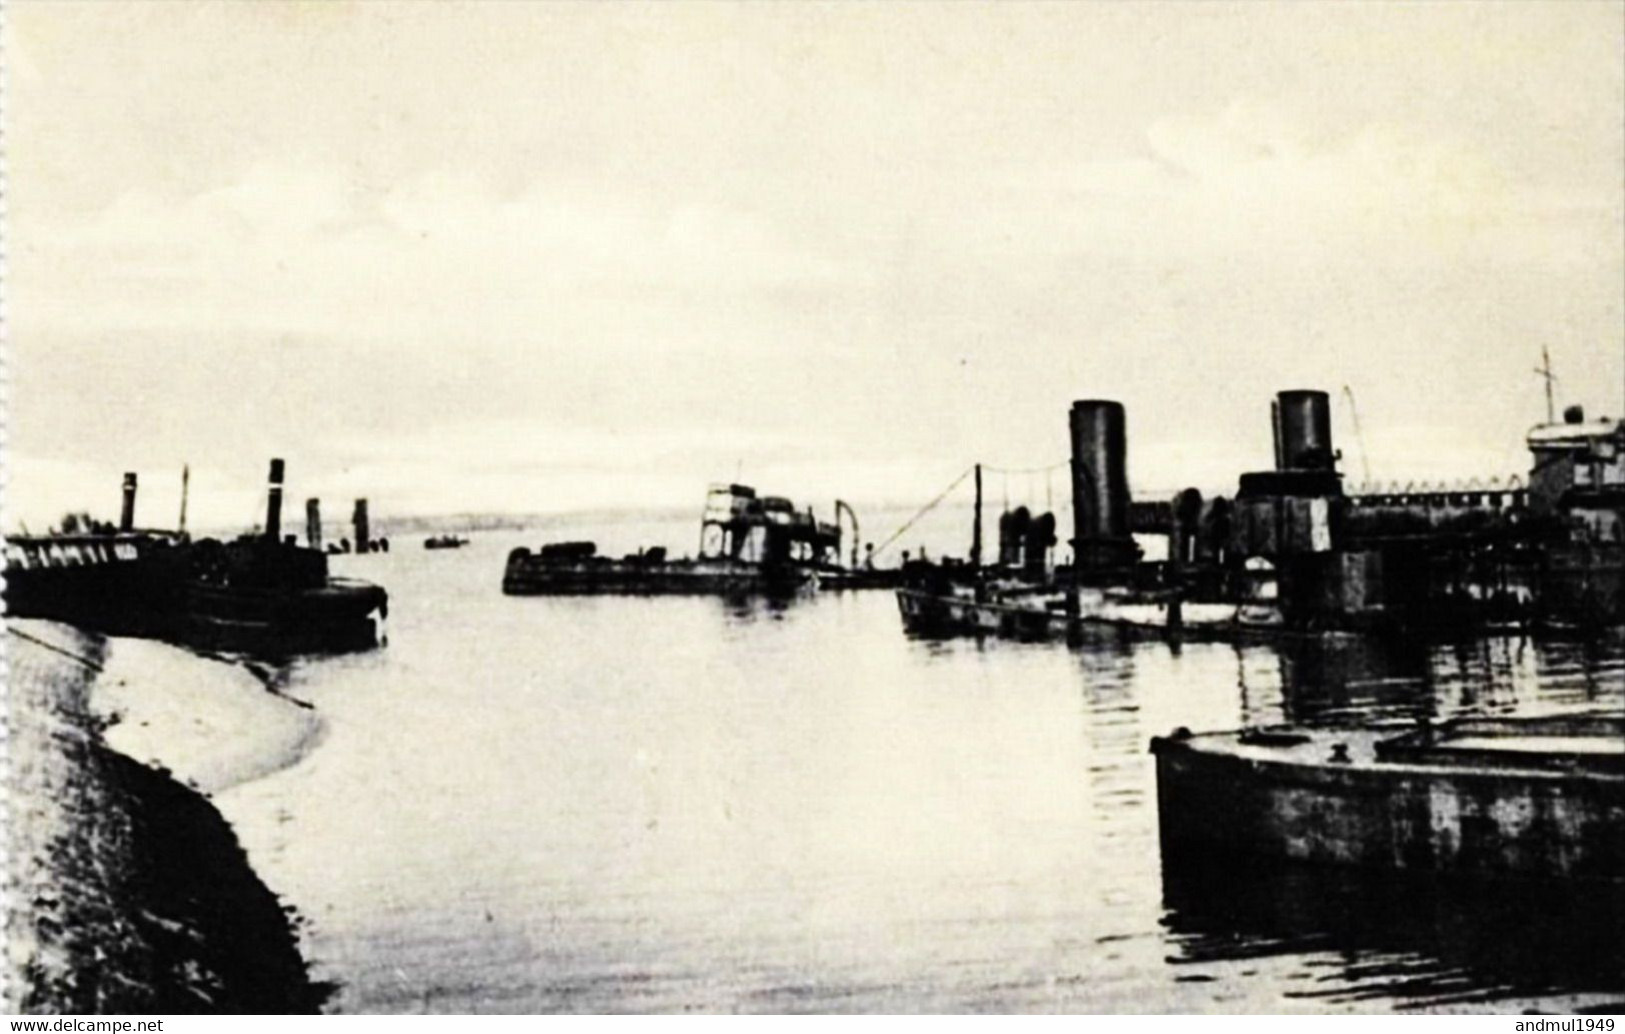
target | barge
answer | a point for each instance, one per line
(260, 594)
(1034, 615)
(576, 569)
(749, 545)
(1536, 798)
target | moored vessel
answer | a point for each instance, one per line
(1537, 797)
(260, 594)
(1292, 555)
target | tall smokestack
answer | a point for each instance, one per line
(1100, 499)
(1275, 433)
(126, 517)
(186, 487)
(273, 504)
(1012, 534)
(1187, 522)
(313, 523)
(1038, 536)
(362, 539)
(1304, 431)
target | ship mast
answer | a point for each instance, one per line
(1544, 370)
(976, 527)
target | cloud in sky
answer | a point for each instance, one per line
(559, 255)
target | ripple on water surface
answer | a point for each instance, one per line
(667, 804)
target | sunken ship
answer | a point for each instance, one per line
(749, 545)
(1293, 553)
(260, 594)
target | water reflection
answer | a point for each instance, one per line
(748, 608)
(668, 803)
(1351, 937)
(1363, 678)
(1367, 679)
(1342, 937)
(1116, 789)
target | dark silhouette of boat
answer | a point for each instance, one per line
(259, 594)
(1292, 555)
(851, 579)
(748, 545)
(445, 542)
(1531, 798)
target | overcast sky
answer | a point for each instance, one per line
(515, 257)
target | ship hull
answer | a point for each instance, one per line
(96, 596)
(936, 615)
(1584, 586)
(933, 615)
(149, 590)
(537, 576)
(854, 579)
(1218, 795)
(341, 617)
(335, 619)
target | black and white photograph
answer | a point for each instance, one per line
(810, 507)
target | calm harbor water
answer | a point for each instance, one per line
(611, 804)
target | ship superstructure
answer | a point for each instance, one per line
(260, 594)
(748, 544)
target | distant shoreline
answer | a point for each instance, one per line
(386, 524)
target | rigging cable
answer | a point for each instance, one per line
(927, 508)
(1046, 470)
(1025, 470)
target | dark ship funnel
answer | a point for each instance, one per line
(1100, 499)
(363, 544)
(1187, 525)
(126, 517)
(1303, 431)
(1038, 538)
(273, 504)
(1012, 534)
(313, 523)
